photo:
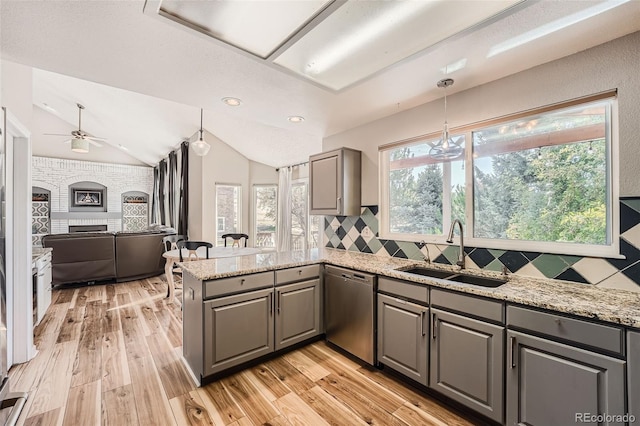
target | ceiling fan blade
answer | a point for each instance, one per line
(95, 138)
(94, 143)
(67, 141)
(56, 134)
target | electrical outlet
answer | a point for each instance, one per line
(366, 231)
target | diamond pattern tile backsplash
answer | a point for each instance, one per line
(360, 233)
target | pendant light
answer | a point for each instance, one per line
(446, 148)
(80, 145)
(201, 147)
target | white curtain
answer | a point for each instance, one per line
(284, 210)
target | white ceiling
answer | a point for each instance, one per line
(154, 77)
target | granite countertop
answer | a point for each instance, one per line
(38, 252)
(615, 306)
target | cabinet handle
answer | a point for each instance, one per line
(422, 322)
(512, 358)
(192, 293)
(279, 297)
(434, 326)
(270, 304)
(242, 281)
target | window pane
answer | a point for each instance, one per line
(228, 213)
(423, 190)
(314, 234)
(544, 178)
(299, 216)
(265, 202)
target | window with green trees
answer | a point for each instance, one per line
(543, 177)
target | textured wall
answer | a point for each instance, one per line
(613, 65)
(57, 174)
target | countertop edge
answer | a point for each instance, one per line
(618, 307)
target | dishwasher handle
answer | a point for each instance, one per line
(360, 277)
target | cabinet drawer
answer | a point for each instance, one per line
(297, 274)
(468, 305)
(416, 292)
(574, 330)
(237, 284)
(43, 260)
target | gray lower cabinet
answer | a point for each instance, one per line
(192, 314)
(467, 362)
(633, 372)
(297, 312)
(402, 337)
(553, 384)
(237, 329)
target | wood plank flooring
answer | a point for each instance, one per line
(111, 355)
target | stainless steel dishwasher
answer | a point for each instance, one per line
(349, 311)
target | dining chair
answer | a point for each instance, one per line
(192, 246)
(170, 241)
(236, 239)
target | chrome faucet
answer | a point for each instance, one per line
(461, 255)
(422, 245)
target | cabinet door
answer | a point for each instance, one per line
(402, 337)
(633, 371)
(297, 312)
(44, 290)
(325, 179)
(237, 329)
(552, 384)
(467, 362)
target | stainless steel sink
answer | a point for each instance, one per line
(453, 276)
(475, 280)
(426, 272)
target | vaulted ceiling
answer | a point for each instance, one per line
(144, 81)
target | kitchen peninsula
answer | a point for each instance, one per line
(616, 306)
(585, 334)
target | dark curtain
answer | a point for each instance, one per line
(171, 192)
(183, 208)
(161, 185)
(154, 197)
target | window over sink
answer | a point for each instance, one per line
(541, 180)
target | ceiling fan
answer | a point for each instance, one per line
(80, 140)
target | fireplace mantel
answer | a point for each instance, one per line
(85, 215)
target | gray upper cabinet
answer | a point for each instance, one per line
(633, 372)
(297, 312)
(237, 329)
(402, 337)
(467, 362)
(334, 179)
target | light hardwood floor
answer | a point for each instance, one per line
(110, 355)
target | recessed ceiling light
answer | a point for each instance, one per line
(295, 119)
(232, 101)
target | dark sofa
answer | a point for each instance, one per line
(87, 257)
